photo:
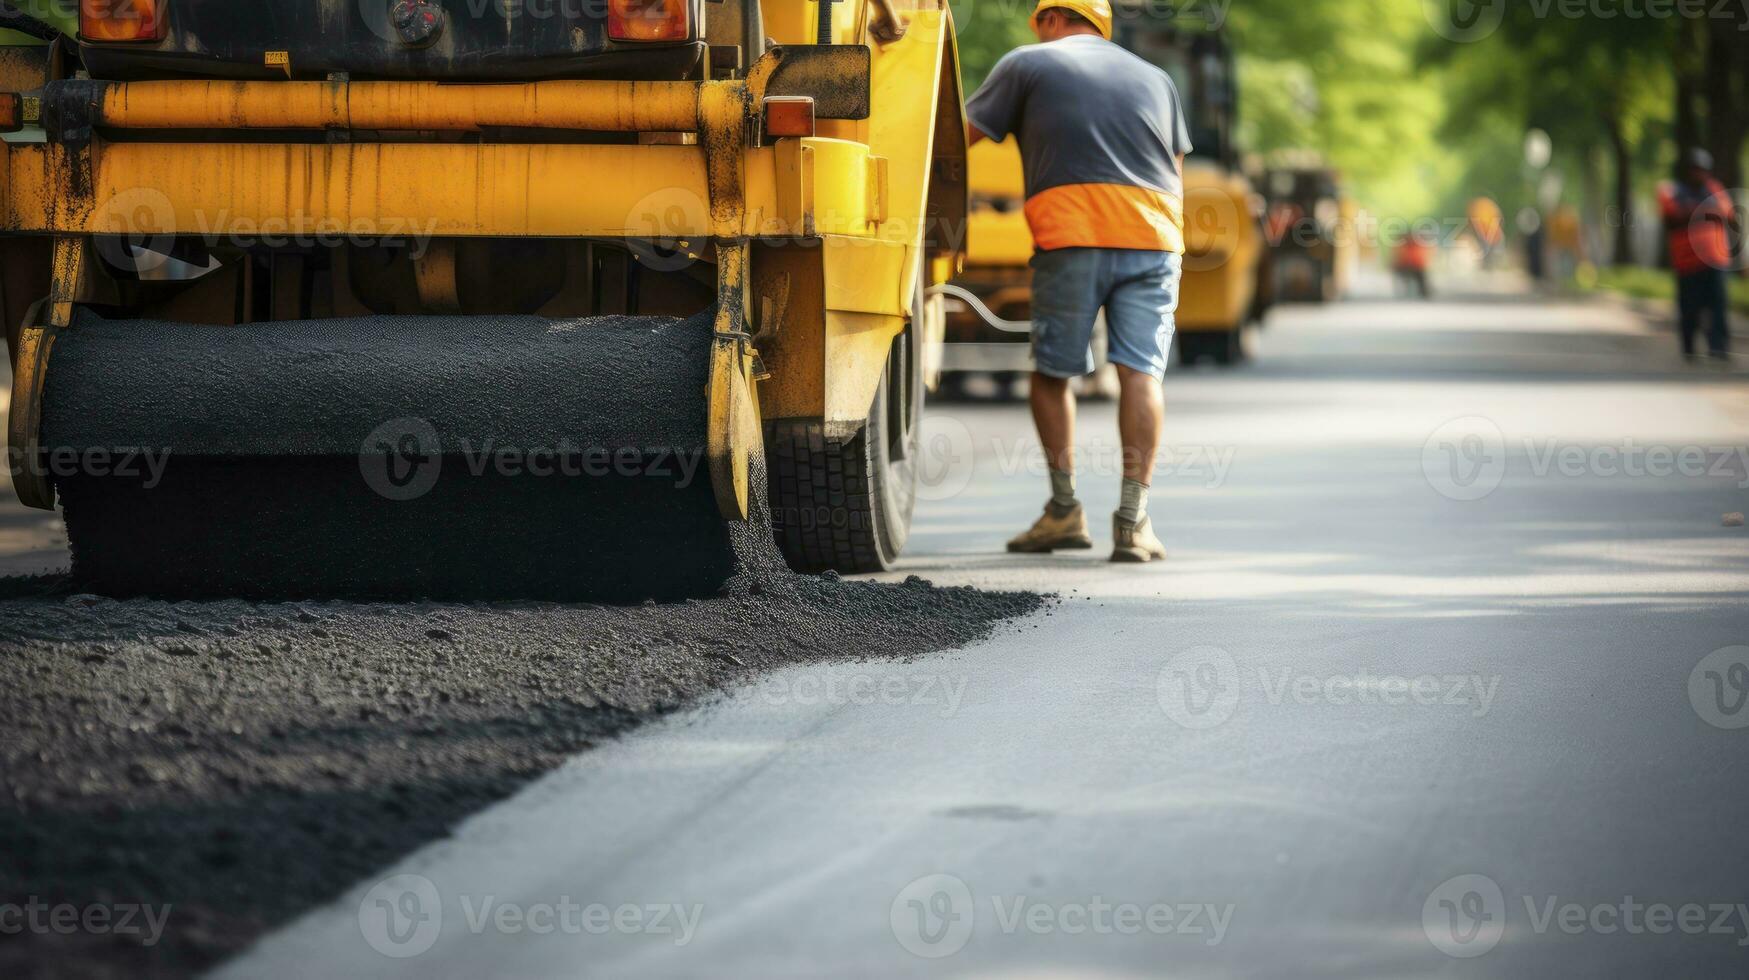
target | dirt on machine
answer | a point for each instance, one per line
(434, 298)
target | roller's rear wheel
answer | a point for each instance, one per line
(1225, 348)
(844, 503)
(1229, 347)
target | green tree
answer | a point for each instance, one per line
(1595, 84)
(989, 29)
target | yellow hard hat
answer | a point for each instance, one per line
(1098, 12)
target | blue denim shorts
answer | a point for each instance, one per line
(1138, 291)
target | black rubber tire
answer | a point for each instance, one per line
(1186, 348)
(1194, 345)
(1228, 347)
(844, 504)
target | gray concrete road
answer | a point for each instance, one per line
(1446, 676)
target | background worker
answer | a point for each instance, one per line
(1567, 239)
(1697, 211)
(1488, 226)
(1414, 257)
(1103, 136)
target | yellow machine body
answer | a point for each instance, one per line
(817, 242)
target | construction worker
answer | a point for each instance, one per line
(1697, 211)
(1103, 137)
(1488, 225)
(1414, 256)
(1567, 236)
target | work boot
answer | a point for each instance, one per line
(1135, 542)
(1060, 529)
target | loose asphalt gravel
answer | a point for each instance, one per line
(237, 762)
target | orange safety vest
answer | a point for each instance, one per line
(1700, 242)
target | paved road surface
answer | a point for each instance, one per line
(1428, 688)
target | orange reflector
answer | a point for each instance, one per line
(648, 20)
(122, 20)
(11, 112)
(789, 115)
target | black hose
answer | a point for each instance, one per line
(11, 18)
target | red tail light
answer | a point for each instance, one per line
(789, 115)
(11, 112)
(648, 20)
(122, 20)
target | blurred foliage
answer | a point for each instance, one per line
(989, 29)
(1644, 283)
(62, 15)
(1338, 79)
(1342, 80)
(1419, 123)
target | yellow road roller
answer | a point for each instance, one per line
(990, 303)
(475, 298)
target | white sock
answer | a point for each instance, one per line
(1062, 488)
(1135, 502)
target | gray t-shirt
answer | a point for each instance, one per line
(1086, 111)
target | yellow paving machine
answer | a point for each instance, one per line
(1314, 248)
(473, 297)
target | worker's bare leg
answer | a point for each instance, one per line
(1053, 412)
(1064, 524)
(1141, 416)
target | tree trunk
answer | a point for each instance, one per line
(1596, 208)
(1727, 87)
(1725, 70)
(1690, 58)
(1623, 159)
